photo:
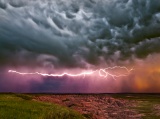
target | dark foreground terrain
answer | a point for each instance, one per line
(79, 106)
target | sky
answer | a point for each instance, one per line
(75, 36)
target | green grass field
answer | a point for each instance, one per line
(20, 106)
(146, 104)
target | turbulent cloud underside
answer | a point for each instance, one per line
(78, 34)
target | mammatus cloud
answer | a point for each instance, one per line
(76, 33)
(85, 34)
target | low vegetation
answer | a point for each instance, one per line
(148, 105)
(25, 106)
(21, 106)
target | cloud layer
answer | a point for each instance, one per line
(77, 33)
(83, 34)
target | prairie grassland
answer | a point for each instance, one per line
(148, 105)
(21, 106)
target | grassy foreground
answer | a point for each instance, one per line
(20, 106)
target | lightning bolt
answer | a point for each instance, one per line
(102, 73)
(114, 76)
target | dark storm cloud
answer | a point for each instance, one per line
(77, 33)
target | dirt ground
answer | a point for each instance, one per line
(95, 106)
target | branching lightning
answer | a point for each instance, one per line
(101, 72)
